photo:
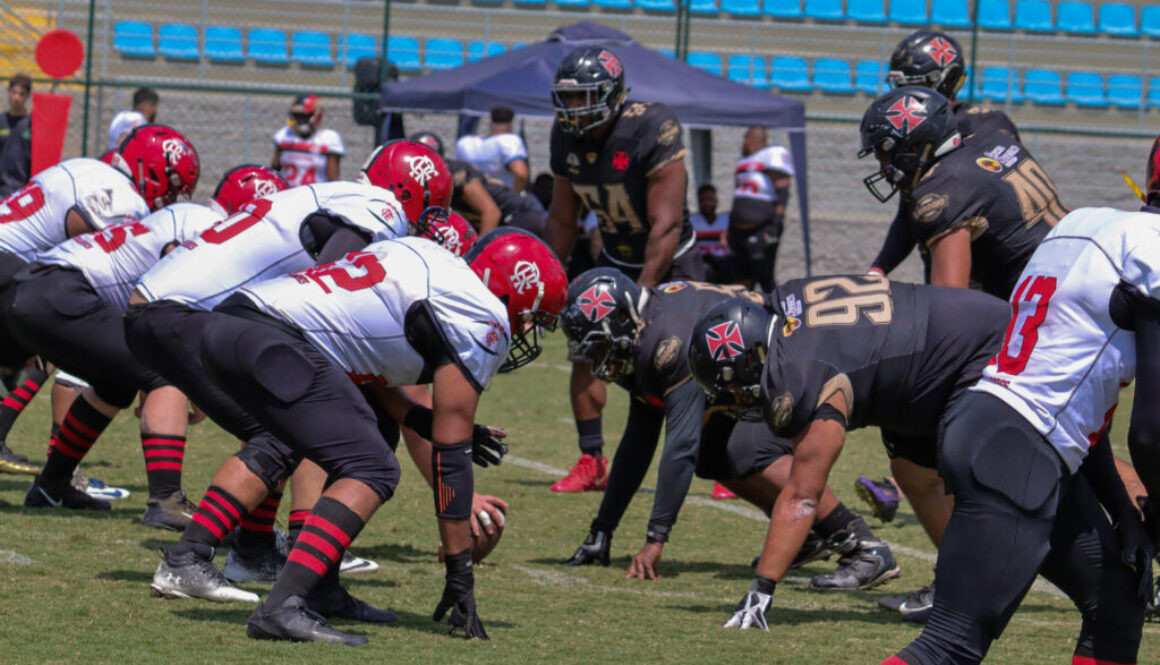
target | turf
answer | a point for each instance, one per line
(74, 588)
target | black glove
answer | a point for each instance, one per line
(487, 446)
(459, 597)
(1136, 550)
(751, 610)
(596, 547)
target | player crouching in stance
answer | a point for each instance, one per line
(398, 313)
(637, 337)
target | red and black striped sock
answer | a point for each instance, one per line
(217, 515)
(297, 519)
(164, 457)
(14, 403)
(257, 530)
(325, 536)
(82, 426)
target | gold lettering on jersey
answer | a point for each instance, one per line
(838, 384)
(668, 132)
(666, 353)
(1038, 198)
(612, 207)
(634, 110)
(840, 301)
(591, 157)
(573, 162)
(929, 207)
(729, 291)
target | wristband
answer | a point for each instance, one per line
(657, 533)
(763, 585)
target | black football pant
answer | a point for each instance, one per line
(732, 451)
(1019, 511)
(57, 314)
(13, 355)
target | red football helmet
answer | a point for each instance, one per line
(523, 273)
(161, 162)
(243, 184)
(414, 173)
(108, 157)
(452, 231)
(305, 115)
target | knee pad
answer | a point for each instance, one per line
(454, 482)
(266, 461)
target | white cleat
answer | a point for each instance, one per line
(193, 575)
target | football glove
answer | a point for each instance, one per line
(487, 446)
(596, 547)
(751, 610)
(459, 597)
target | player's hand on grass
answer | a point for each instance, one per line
(596, 547)
(644, 564)
(487, 446)
(488, 513)
(459, 597)
(751, 610)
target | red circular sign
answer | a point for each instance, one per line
(59, 53)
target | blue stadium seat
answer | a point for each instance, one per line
(825, 10)
(703, 7)
(950, 13)
(478, 51)
(1150, 20)
(572, 3)
(749, 70)
(866, 11)
(517, 45)
(1034, 16)
(1086, 89)
(355, 46)
(134, 38)
(442, 53)
(613, 4)
(833, 75)
(267, 46)
(311, 48)
(784, 8)
(1043, 87)
(789, 73)
(869, 77)
(667, 52)
(1154, 92)
(994, 14)
(1076, 17)
(1118, 19)
(223, 43)
(908, 11)
(1125, 91)
(1000, 84)
(741, 7)
(710, 62)
(529, 3)
(177, 41)
(657, 5)
(404, 52)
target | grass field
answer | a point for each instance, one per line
(75, 588)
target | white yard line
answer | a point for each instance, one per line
(8, 556)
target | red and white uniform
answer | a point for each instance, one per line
(709, 233)
(750, 180)
(1063, 360)
(264, 240)
(113, 260)
(33, 218)
(492, 154)
(354, 310)
(304, 160)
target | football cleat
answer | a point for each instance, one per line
(257, 566)
(172, 512)
(880, 495)
(869, 565)
(1152, 608)
(294, 621)
(353, 565)
(193, 575)
(588, 474)
(99, 490)
(13, 462)
(722, 492)
(336, 602)
(50, 495)
(917, 605)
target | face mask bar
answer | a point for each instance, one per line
(595, 107)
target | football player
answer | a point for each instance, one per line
(398, 313)
(152, 168)
(761, 192)
(624, 161)
(637, 338)
(304, 151)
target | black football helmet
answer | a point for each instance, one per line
(601, 321)
(429, 139)
(588, 89)
(907, 129)
(929, 59)
(727, 353)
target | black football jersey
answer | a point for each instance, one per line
(983, 121)
(994, 187)
(612, 179)
(505, 198)
(898, 352)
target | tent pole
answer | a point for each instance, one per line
(974, 52)
(386, 35)
(681, 48)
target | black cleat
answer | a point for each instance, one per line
(871, 564)
(171, 512)
(61, 495)
(260, 566)
(917, 606)
(294, 621)
(335, 602)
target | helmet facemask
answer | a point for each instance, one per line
(582, 107)
(525, 346)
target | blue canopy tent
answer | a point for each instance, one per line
(520, 79)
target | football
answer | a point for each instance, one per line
(482, 545)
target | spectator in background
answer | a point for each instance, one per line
(712, 230)
(304, 151)
(760, 195)
(145, 102)
(501, 154)
(16, 137)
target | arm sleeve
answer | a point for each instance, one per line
(684, 407)
(633, 455)
(895, 248)
(1144, 430)
(1100, 470)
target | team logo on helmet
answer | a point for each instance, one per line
(726, 338)
(422, 168)
(906, 114)
(449, 238)
(264, 187)
(610, 63)
(174, 149)
(526, 275)
(941, 50)
(596, 303)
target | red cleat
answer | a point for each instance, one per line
(589, 473)
(722, 492)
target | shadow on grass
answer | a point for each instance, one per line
(668, 567)
(135, 576)
(394, 553)
(235, 615)
(114, 514)
(424, 624)
(791, 616)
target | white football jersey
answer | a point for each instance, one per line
(113, 260)
(263, 240)
(33, 218)
(492, 154)
(750, 180)
(354, 310)
(123, 123)
(304, 160)
(1063, 360)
